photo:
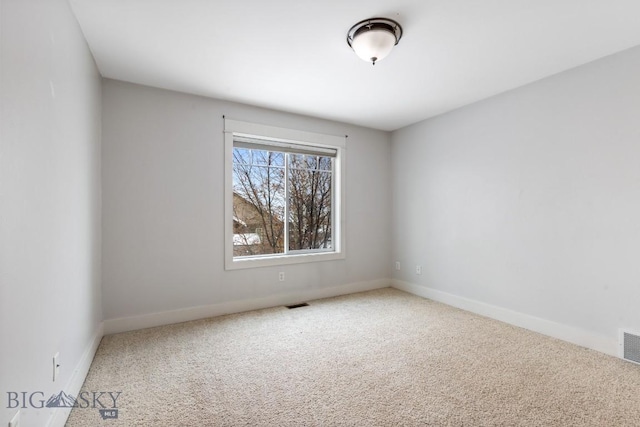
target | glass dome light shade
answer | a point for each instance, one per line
(374, 44)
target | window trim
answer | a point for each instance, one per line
(294, 137)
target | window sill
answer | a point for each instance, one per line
(270, 261)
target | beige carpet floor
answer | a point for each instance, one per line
(380, 358)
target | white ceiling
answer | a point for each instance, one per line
(291, 55)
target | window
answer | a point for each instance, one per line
(283, 196)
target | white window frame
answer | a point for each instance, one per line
(264, 132)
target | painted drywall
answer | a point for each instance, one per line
(163, 212)
(530, 201)
(49, 203)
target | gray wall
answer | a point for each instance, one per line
(163, 213)
(49, 199)
(530, 200)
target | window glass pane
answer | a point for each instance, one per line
(242, 156)
(268, 158)
(311, 162)
(258, 205)
(302, 161)
(325, 163)
(309, 208)
(297, 161)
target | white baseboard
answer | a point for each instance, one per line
(560, 331)
(124, 324)
(59, 415)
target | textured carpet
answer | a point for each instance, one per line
(381, 358)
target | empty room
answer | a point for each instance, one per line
(305, 213)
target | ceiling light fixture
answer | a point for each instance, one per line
(372, 39)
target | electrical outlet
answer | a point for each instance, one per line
(56, 366)
(397, 265)
(418, 269)
(281, 276)
(15, 421)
